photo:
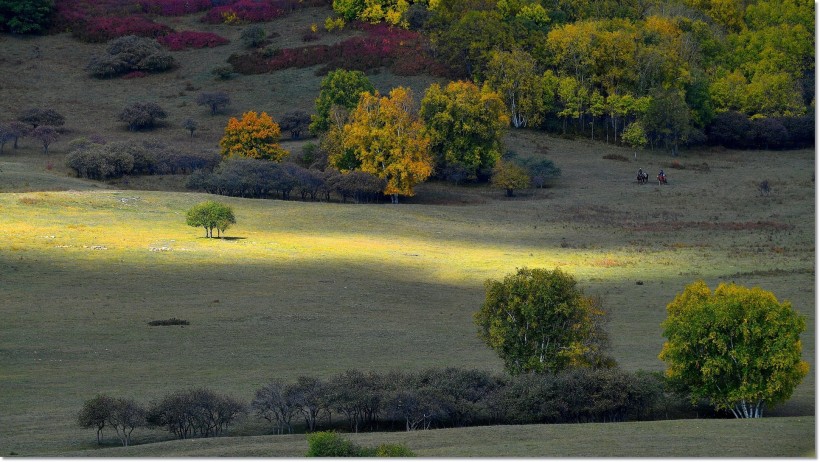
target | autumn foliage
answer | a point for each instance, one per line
(389, 141)
(176, 41)
(255, 136)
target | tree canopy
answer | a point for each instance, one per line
(341, 88)
(736, 347)
(540, 321)
(255, 136)
(389, 141)
(211, 215)
(465, 124)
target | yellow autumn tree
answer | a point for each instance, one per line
(255, 136)
(388, 140)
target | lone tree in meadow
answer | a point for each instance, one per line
(736, 347)
(255, 136)
(211, 215)
(540, 321)
(215, 100)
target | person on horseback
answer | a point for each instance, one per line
(662, 177)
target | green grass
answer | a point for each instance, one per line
(776, 437)
(316, 288)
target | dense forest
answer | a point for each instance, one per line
(662, 72)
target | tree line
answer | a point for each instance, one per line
(358, 401)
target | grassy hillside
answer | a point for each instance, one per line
(317, 288)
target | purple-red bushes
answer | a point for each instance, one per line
(103, 29)
(404, 52)
(176, 41)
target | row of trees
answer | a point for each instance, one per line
(456, 132)
(42, 124)
(398, 400)
(186, 414)
(96, 159)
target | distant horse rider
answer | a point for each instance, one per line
(643, 177)
(661, 177)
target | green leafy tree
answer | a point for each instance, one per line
(635, 136)
(211, 215)
(668, 119)
(340, 88)
(25, 16)
(540, 321)
(737, 347)
(466, 125)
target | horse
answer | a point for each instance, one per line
(643, 178)
(661, 179)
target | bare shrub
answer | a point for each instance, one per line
(216, 100)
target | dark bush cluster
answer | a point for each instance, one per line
(265, 179)
(404, 52)
(176, 41)
(169, 322)
(735, 130)
(140, 116)
(113, 160)
(440, 398)
(128, 54)
(25, 16)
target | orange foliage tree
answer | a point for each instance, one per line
(389, 141)
(255, 136)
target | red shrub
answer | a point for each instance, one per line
(103, 29)
(404, 52)
(176, 41)
(174, 7)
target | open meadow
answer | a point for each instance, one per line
(304, 288)
(317, 288)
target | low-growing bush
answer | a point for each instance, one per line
(140, 116)
(129, 54)
(176, 41)
(617, 157)
(253, 36)
(169, 322)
